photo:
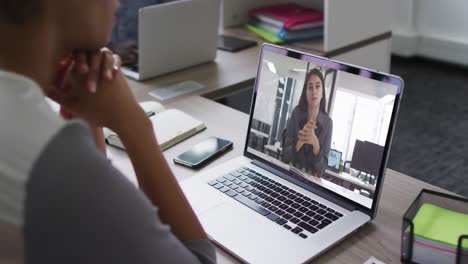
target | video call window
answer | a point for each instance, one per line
(324, 125)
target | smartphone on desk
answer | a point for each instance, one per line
(203, 152)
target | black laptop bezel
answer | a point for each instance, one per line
(371, 74)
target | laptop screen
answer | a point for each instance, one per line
(326, 123)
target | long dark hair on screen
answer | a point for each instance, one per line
(303, 104)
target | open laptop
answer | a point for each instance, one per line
(175, 35)
(263, 208)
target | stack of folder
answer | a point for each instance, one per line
(284, 23)
(436, 234)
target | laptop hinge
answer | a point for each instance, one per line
(316, 190)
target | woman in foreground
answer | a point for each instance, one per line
(59, 196)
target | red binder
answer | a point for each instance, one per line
(289, 16)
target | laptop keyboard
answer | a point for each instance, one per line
(295, 212)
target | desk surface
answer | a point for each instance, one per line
(381, 238)
(229, 73)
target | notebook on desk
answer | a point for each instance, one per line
(171, 126)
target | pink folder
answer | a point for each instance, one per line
(290, 16)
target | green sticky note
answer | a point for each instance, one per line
(440, 225)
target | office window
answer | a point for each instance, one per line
(366, 123)
(356, 116)
(386, 117)
(342, 116)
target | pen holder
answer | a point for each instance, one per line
(430, 205)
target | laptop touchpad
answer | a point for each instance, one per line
(238, 229)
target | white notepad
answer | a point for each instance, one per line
(171, 126)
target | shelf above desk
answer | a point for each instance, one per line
(355, 52)
(231, 72)
(311, 46)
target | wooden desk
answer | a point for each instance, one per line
(215, 117)
(230, 72)
(381, 238)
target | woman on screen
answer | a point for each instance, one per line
(309, 130)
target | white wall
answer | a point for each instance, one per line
(268, 83)
(266, 93)
(431, 28)
(349, 22)
(403, 16)
(443, 19)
